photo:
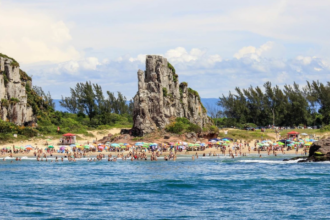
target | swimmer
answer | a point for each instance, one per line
(193, 158)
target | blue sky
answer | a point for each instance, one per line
(215, 45)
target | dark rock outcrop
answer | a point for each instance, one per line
(161, 97)
(319, 151)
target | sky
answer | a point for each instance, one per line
(214, 45)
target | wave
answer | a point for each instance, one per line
(270, 161)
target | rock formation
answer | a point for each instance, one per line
(160, 97)
(319, 151)
(13, 96)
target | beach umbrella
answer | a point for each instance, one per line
(123, 146)
(50, 146)
(101, 147)
(8, 147)
(29, 148)
(114, 145)
(202, 144)
(139, 144)
(72, 145)
(62, 148)
(121, 143)
(280, 143)
(304, 134)
(86, 147)
(153, 144)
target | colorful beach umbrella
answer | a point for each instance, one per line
(114, 145)
(50, 146)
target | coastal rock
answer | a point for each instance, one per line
(318, 152)
(161, 97)
(13, 97)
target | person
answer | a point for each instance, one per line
(193, 158)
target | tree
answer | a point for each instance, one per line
(47, 98)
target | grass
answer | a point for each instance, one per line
(245, 135)
(307, 131)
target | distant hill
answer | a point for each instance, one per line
(207, 102)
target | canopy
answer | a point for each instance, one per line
(293, 132)
(68, 135)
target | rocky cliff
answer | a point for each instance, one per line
(13, 96)
(161, 97)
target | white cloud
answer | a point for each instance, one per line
(253, 52)
(304, 60)
(31, 36)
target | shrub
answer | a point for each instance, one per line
(14, 100)
(194, 128)
(175, 76)
(164, 92)
(214, 129)
(4, 103)
(5, 79)
(325, 128)
(183, 84)
(24, 76)
(175, 127)
(183, 120)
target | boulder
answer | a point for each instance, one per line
(318, 152)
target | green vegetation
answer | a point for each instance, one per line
(164, 92)
(5, 56)
(289, 106)
(245, 135)
(182, 125)
(88, 99)
(175, 76)
(24, 76)
(14, 101)
(105, 113)
(5, 79)
(184, 84)
(195, 93)
(4, 103)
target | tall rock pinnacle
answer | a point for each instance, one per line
(161, 97)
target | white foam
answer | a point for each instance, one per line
(270, 161)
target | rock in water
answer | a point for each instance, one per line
(161, 97)
(13, 96)
(319, 151)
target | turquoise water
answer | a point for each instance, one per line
(207, 188)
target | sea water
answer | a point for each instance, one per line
(206, 188)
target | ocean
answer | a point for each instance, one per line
(206, 188)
